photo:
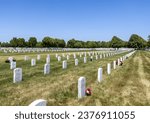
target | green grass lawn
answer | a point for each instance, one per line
(127, 85)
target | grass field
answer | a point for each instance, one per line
(127, 85)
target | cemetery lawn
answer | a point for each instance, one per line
(127, 85)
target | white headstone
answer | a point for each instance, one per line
(89, 54)
(96, 57)
(118, 62)
(64, 64)
(121, 59)
(106, 54)
(56, 55)
(67, 57)
(33, 62)
(74, 56)
(103, 55)
(108, 68)
(17, 75)
(46, 68)
(85, 59)
(81, 87)
(80, 55)
(26, 58)
(48, 55)
(93, 53)
(39, 102)
(38, 57)
(114, 64)
(92, 58)
(12, 65)
(76, 62)
(100, 72)
(59, 58)
(100, 56)
(48, 60)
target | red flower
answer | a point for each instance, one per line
(88, 92)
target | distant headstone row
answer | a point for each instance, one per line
(33, 50)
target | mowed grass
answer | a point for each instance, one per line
(127, 85)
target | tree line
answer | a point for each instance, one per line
(135, 41)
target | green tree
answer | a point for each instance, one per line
(71, 43)
(104, 44)
(116, 42)
(91, 44)
(45, 42)
(48, 42)
(32, 42)
(78, 44)
(39, 44)
(5, 44)
(21, 42)
(61, 43)
(137, 42)
(13, 42)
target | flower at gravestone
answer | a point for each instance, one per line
(88, 92)
(121, 63)
(9, 60)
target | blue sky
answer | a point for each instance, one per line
(79, 19)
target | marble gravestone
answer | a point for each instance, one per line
(100, 71)
(26, 58)
(17, 75)
(96, 57)
(85, 59)
(74, 56)
(39, 102)
(38, 57)
(108, 68)
(81, 87)
(46, 69)
(67, 57)
(114, 64)
(48, 60)
(12, 65)
(76, 62)
(33, 62)
(59, 58)
(64, 64)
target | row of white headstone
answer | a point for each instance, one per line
(29, 50)
(98, 55)
(68, 56)
(18, 71)
(85, 54)
(82, 81)
(94, 53)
